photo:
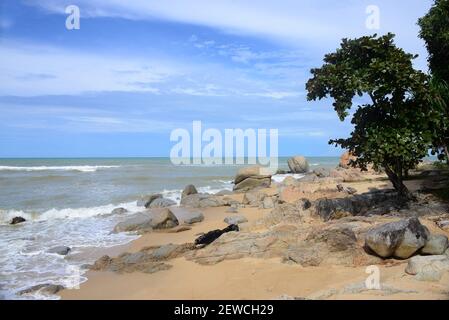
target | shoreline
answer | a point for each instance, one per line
(247, 277)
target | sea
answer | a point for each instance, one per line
(68, 202)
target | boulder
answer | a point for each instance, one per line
(399, 239)
(236, 219)
(224, 193)
(290, 181)
(138, 221)
(188, 190)
(193, 217)
(321, 173)
(252, 183)
(436, 245)
(17, 220)
(298, 164)
(268, 202)
(61, 250)
(164, 219)
(146, 200)
(428, 268)
(251, 177)
(346, 159)
(202, 200)
(119, 211)
(253, 198)
(161, 203)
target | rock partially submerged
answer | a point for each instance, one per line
(250, 178)
(44, 288)
(119, 211)
(17, 220)
(61, 250)
(400, 239)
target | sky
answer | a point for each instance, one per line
(136, 70)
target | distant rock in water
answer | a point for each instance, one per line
(250, 178)
(61, 250)
(188, 190)
(17, 220)
(298, 164)
(119, 211)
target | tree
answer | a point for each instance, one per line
(435, 32)
(391, 131)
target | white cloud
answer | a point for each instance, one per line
(29, 70)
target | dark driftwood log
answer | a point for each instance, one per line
(211, 236)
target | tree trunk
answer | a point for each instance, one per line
(398, 183)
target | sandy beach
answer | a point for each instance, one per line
(248, 277)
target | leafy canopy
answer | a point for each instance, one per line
(392, 131)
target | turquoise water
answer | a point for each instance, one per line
(68, 202)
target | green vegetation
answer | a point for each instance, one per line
(393, 131)
(408, 111)
(435, 32)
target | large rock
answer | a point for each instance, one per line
(161, 203)
(188, 190)
(146, 200)
(142, 221)
(436, 245)
(202, 200)
(400, 239)
(193, 217)
(345, 160)
(236, 219)
(251, 177)
(367, 203)
(164, 219)
(298, 164)
(428, 268)
(138, 221)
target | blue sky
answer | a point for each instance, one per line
(136, 70)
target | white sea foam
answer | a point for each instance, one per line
(57, 168)
(67, 213)
(278, 178)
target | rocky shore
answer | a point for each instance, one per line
(309, 238)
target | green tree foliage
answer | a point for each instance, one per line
(435, 32)
(392, 131)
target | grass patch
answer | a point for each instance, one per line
(441, 194)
